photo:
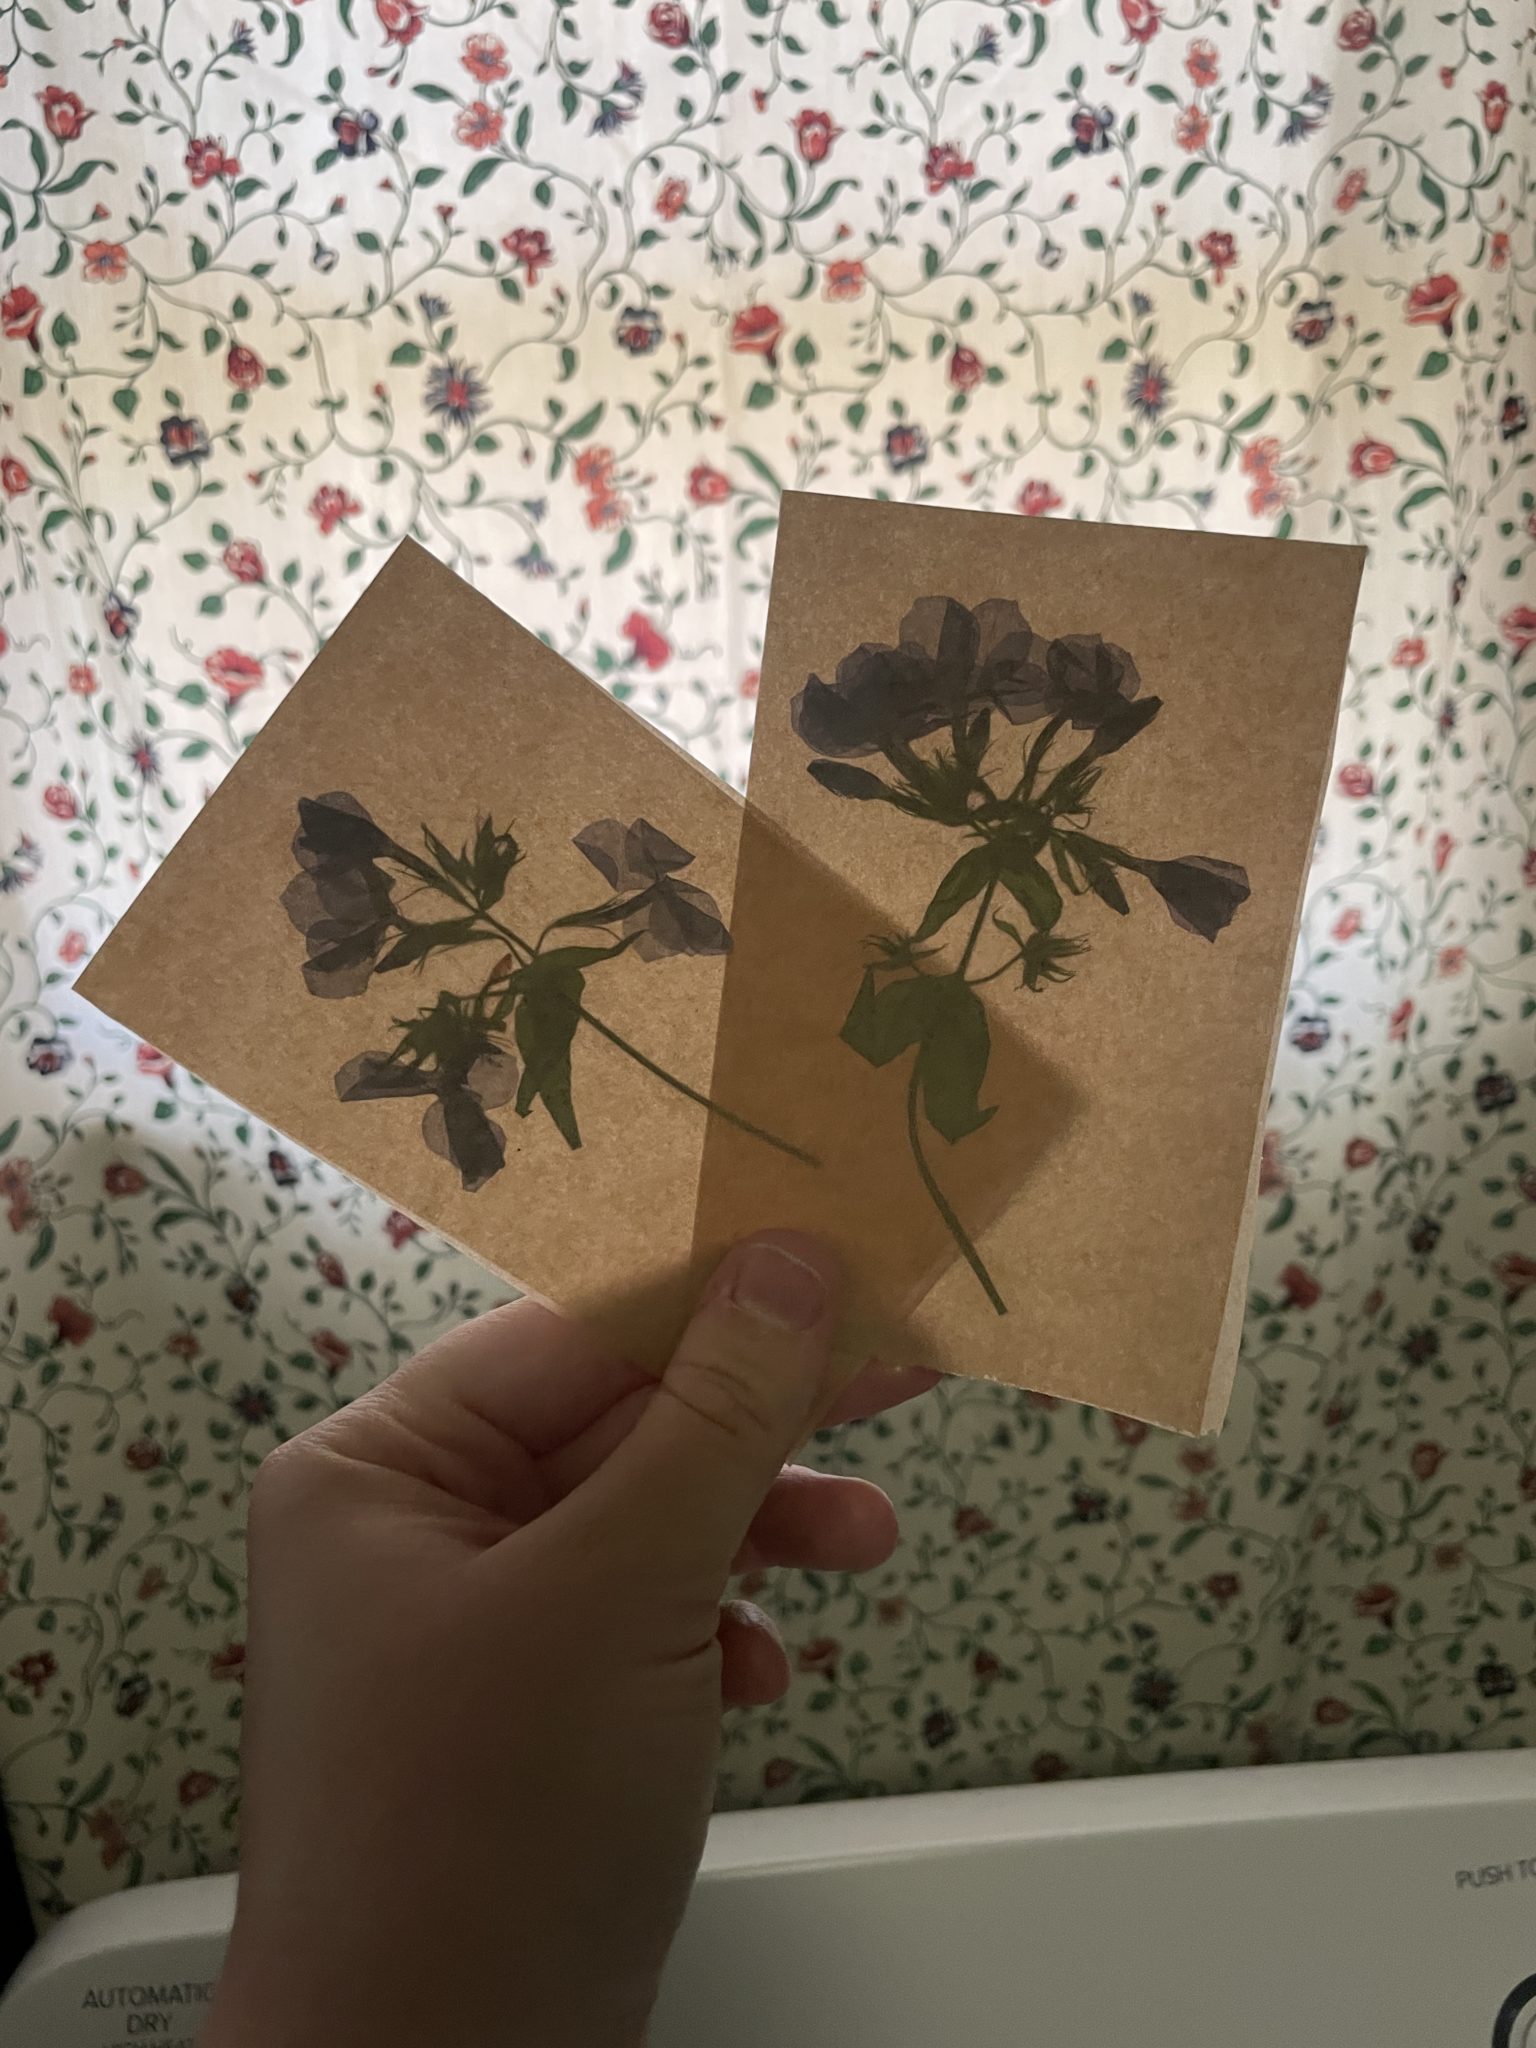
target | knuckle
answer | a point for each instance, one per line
(722, 1390)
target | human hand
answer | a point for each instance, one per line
(487, 1658)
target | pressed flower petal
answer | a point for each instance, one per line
(1202, 895)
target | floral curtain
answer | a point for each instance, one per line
(571, 290)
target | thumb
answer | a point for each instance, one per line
(747, 1382)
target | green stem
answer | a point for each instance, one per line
(603, 1030)
(937, 1196)
(981, 918)
(704, 1101)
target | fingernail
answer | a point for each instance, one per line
(774, 1285)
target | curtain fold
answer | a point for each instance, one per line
(571, 293)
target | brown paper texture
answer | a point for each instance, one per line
(1194, 680)
(458, 922)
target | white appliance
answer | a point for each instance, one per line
(1352, 1905)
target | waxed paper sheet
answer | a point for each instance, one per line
(1195, 680)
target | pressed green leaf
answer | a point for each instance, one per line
(1034, 892)
(885, 1021)
(952, 1064)
(967, 878)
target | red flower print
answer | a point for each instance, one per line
(1328, 1713)
(1048, 1766)
(1376, 1603)
(777, 1772)
(891, 1609)
(1447, 1556)
(1202, 63)
(645, 642)
(183, 1345)
(966, 368)
(1433, 302)
(1351, 192)
(206, 161)
(944, 165)
(400, 1228)
(331, 1350)
(1272, 1174)
(1495, 99)
(485, 58)
(1198, 1459)
(1528, 1482)
(1452, 959)
(604, 511)
(594, 469)
(1223, 1587)
(15, 478)
(1518, 626)
(1301, 1290)
(242, 558)
(72, 1324)
(1142, 19)
(814, 135)
(72, 947)
(531, 248)
(708, 486)
(1130, 1429)
(104, 262)
(196, 1785)
(985, 1667)
(1527, 1183)
(1219, 250)
(1356, 780)
(672, 198)
(105, 1826)
(750, 682)
(1498, 249)
(1359, 1152)
(331, 504)
(153, 1063)
(35, 1671)
(755, 332)
(1192, 1505)
(122, 1179)
(330, 1269)
(972, 1522)
(845, 280)
(1037, 498)
(143, 1454)
(1514, 1273)
(154, 1581)
(228, 1662)
(20, 311)
(400, 20)
(1357, 31)
(820, 1655)
(479, 125)
(64, 113)
(1409, 653)
(1401, 1018)
(1371, 458)
(1425, 1459)
(244, 368)
(233, 672)
(667, 23)
(1192, 128)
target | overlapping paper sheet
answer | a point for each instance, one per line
(945, 991)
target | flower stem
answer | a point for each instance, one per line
(937, 1196)
(693, 1094)
(519, 944)
(981, 917)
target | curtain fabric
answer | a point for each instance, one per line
(570, 291)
